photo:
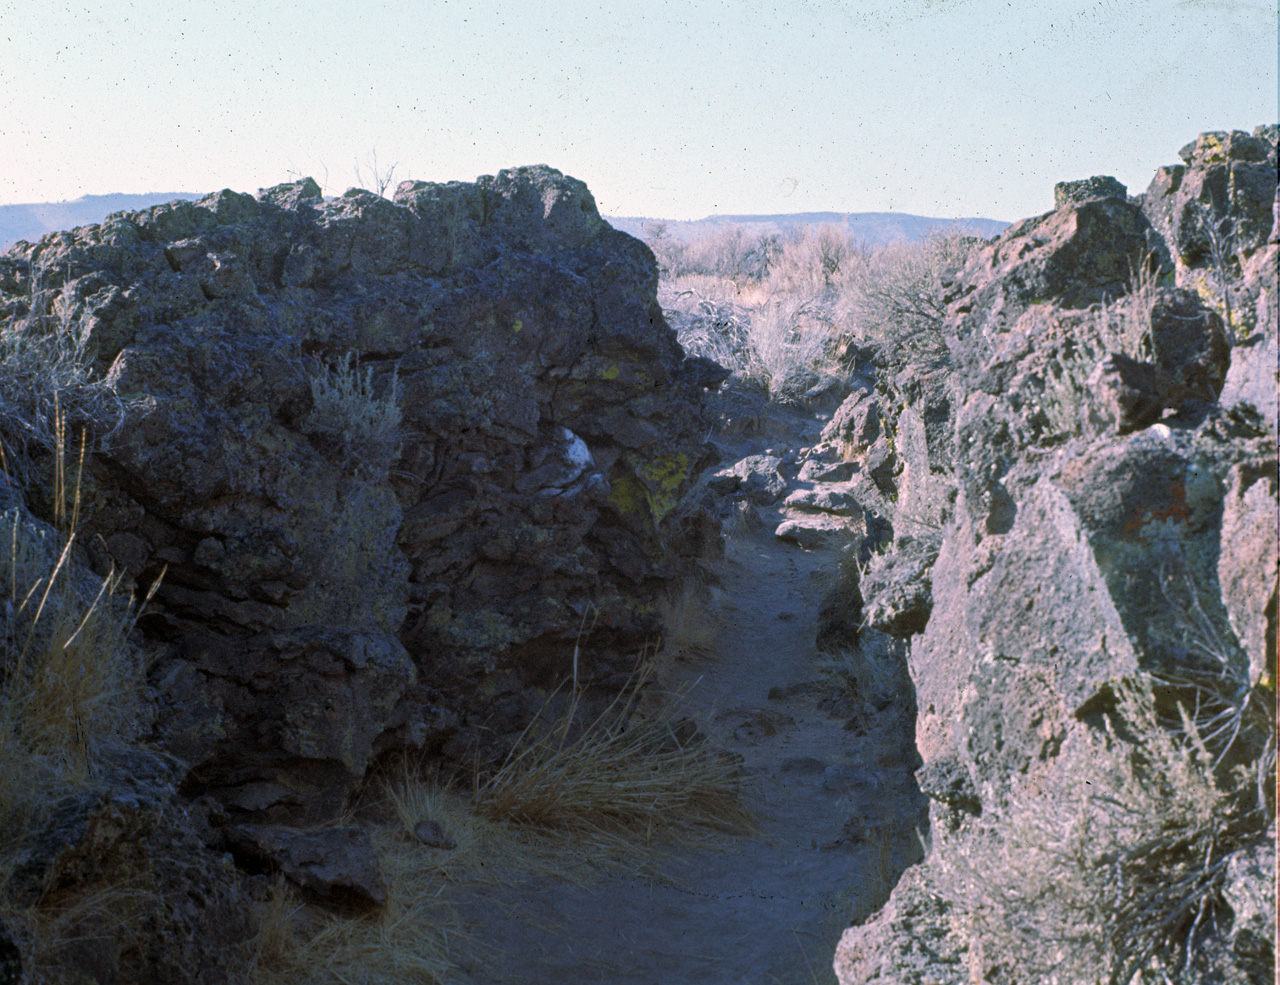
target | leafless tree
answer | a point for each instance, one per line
(374, 177)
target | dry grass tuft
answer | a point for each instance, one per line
(407, 941)
(619, 778)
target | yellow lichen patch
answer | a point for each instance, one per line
(611, 373)
(627, 495)
(653, 486)
(517, 325)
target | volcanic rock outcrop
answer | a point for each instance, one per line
(387, 461)
(1099, 463)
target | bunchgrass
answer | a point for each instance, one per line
(621, 777)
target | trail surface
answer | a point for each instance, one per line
(834, 810)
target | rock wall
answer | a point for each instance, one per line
(1102, 454)
(389, 461)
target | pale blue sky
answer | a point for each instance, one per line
(935, 107)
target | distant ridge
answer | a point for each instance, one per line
(872, 228)
(31, 221)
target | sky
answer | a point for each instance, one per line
(678, 110)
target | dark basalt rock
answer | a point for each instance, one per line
(379, 450)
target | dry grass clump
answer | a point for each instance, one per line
(70, 685)
(69, 680)
(95, 920)
(415, 937)
(408, 940)
(570, 795)
(1115, 868)
(619, 778)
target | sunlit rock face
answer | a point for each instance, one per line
(1104, 443)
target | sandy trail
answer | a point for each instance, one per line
(761, 910)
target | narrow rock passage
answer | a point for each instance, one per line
(836, 812)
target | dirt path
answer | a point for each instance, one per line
(761, 910)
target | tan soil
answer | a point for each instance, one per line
(753, 910)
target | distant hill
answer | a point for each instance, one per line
(872, 228)
(32, 221)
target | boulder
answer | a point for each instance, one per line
(335, 866)
(801, 534)
(856, 423)
(1067, 193)
(825, 497)
(1247, 562)
(896, 588)
(372, 452)
(128, 831)
(761, 478)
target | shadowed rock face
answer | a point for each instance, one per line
(379, 451)
(1113, 544)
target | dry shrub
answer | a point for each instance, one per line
(616, 779)
(820, 259)
(48, 379)
(730, 252)
(896, 298)
(348, 411)
(1112, 869)
(782, 343)
(90, 925)
(1122, 326)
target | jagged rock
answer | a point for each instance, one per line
(1087, 190)
(1247, 569)
(336, 866)
(726, 482)
(761, 478)
(825, 395)
(824, 498)
(946, 780)
(896, 588)
(1079, 255)
(1128, 395)
(1189, 342)
(1077, 556)
(379, 450)
(908, 942)
(816, 470)
(856, 424)
(1250, 892)
(1225, 187)
(1253, 378)
(128, 831)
